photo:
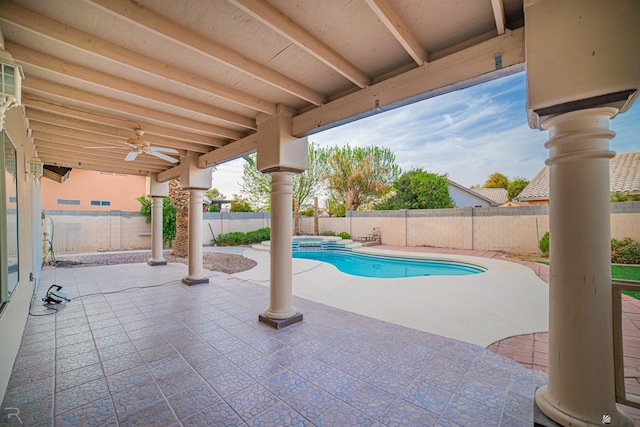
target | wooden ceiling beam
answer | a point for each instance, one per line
(26, 18)
(389, 16)
(234, 150)
(189, 38)
(67, 92)
(498, 13)
(54, 159)
(294, 32)
(36, 116)
(34, 102)
(26, 56)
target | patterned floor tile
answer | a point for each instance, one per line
(311, 401)
(470, 413)
(127, 379)
(402, 413)
(427, 396)
(372, 401)
(94, 413)
(338, 383)
(263, 368)
(136, 398)
(231, 382)
(177, 381)
(389, 381)
(159, 414)
(284, 384)
(80, 395)
(218, 414)
(279, 415)
(482, 392)
(190, 401)
(78, 376)
(342, 414)
(251, 401)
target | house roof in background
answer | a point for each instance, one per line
(624, 175)
(497, 195)
(472, 193)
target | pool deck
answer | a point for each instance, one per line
(508, 299)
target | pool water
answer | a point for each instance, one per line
(387, 267)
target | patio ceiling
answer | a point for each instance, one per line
(195, 74)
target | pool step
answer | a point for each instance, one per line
(325, 243)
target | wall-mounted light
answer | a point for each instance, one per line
(35, 167)
(11, 76)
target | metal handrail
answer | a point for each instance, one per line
(622, 396)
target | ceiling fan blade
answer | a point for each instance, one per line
(131, 156)
(163, 157)
(104, 148)
(164, 150)
(130, 145)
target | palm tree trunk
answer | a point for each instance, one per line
(180, 199)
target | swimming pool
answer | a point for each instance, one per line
(387, 267)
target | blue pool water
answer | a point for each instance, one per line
(386, 267)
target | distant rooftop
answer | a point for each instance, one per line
(497, 195)
(624, 175)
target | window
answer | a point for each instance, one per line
(100, 203)
(69, 202)
(8, 219)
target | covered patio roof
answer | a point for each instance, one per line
(196, 75)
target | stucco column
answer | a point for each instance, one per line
(280, 289)
(156, 232)
(581, 376)
(196, 273)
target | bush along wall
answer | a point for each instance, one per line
(625, 251)
(238, 238)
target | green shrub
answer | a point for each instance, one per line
(544, 244)
(344, 235)
(213, 208)
(237, 238)
(307, 212)
(625, 251)
(328, 233)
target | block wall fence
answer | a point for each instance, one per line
(509, 229)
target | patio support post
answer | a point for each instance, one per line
(280, 289)
(196, 273)
(580, 390)
(156, 232)
(156, 191)
(281, 155)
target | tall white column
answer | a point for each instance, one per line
(196, 273)
(280, 289)
(580, 390)
(156, 232)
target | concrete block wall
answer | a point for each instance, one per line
(499, 229)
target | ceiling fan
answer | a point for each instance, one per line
(140, 146)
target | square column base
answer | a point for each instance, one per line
(191, 282)
(280, 323)
(154, 263)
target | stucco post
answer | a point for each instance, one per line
(156, 232)
(196, 273)
(280, 289)
(581, 375)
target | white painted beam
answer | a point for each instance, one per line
(498, 13)
(33, 21)
(192, 40)
(294, 32)
(29, 57)
(458, 70)
(234, 150)
(389, 16)
(117, 106)
(39, 116)
(195, 141)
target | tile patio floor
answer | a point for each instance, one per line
(175, 355)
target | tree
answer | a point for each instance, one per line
(168, 218)
(180, 199)
(214, 194)
(624, 196)
(238, 204)
(256, 186)
(497, 180)
(419, 189)
(356, 175)
(516, 186)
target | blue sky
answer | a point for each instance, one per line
(468, 134)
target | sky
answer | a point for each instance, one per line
(469, 134)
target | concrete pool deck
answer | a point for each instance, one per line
(508, 299)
